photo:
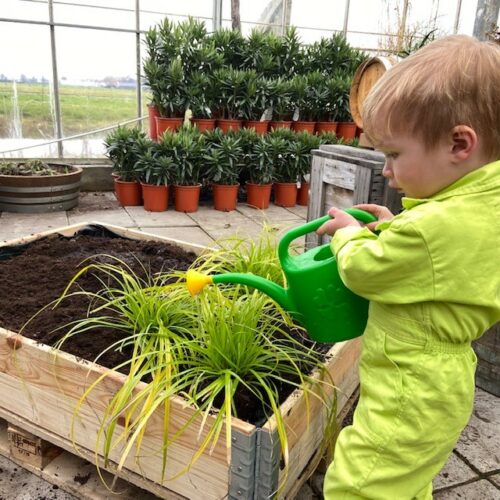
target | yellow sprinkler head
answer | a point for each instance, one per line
(196, 281)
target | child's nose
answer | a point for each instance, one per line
(387, 170)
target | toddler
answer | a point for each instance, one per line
(432, 273)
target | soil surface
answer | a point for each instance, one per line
(43, 269)
(34, 275)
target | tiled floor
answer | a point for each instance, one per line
(473, 470)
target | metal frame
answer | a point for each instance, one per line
(216, 19)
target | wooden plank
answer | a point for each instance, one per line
(305, 417)
(339, 173)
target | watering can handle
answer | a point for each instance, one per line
(311, 226)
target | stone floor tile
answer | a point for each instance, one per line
(299, 211)
(477, 490)
(273, 213)
(188, 234)
(169, 218)
(101, 200)
(207, 217)
(480, 441)
(454, 472)
(17, 225)
(495, 479)
(117, 217)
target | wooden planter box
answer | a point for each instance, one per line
(39, 390)
(342, 176)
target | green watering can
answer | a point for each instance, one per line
(315, 296)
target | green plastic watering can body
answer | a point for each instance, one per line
(315, 294)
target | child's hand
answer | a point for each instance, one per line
(339, 220)
(379, 211)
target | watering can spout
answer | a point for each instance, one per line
(196, 282)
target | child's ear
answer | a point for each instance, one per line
(464, 142)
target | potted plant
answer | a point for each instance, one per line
(327, 104)
(280, 95)
(255, 102)
(34, 186)
(186, 149)
(261, 172)
(122, 147)
(300, 156)
(155, 172)
(285, 171)
(230, 84)
(172, 95)
(346, 128)
(303, 98)
(151, 78)
(200, 96)
(222, 166)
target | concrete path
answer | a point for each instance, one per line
(473, 470)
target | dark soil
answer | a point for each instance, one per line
(34, 275)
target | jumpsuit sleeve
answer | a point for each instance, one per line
(393, 267)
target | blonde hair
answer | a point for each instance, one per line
(452, 81)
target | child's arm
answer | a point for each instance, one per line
(393, 267)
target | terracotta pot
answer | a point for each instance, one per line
(225, 196)
(285, 194)
(128, 193)
(163, 124)
(260, 127)
(187, 198)
(326, 127)
(204, 123)
(303, 194)
(155, 197)
(279, 124)
(153, 114)
(304, 126)
(346, 130)
(226, 125)
(258, 195)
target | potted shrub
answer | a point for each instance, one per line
(346, 128)
(222, 166)
(285, 171)
(230, 84)
(152, 75)
(280, 95)
(303, 98)
(186, 149)
(34, 186)
(200, 96)
(172, 95)
(155, 172)
(328, 103)
(261, 173)
(255, 102)
(300, 156)
(123, 145)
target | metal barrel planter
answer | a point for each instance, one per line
(41, 193)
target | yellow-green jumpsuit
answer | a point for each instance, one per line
(432, 276)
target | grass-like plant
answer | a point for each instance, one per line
(205, 349)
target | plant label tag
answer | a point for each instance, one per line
(296, 114)
(267, 115)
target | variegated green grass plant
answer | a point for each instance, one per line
(204, 349)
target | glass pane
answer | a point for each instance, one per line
(108, 13)
(320, 14)
(25, 103)
(96, 90)
(154, 11)
(21, 9)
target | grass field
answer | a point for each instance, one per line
(82, 109)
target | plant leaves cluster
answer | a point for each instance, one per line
(33, 167)
(227, 76)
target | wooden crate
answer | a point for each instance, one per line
(39, 390)
(343, 176)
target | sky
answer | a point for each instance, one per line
(84, 54)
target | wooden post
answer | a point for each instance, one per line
(486, 17)
(235, 15)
